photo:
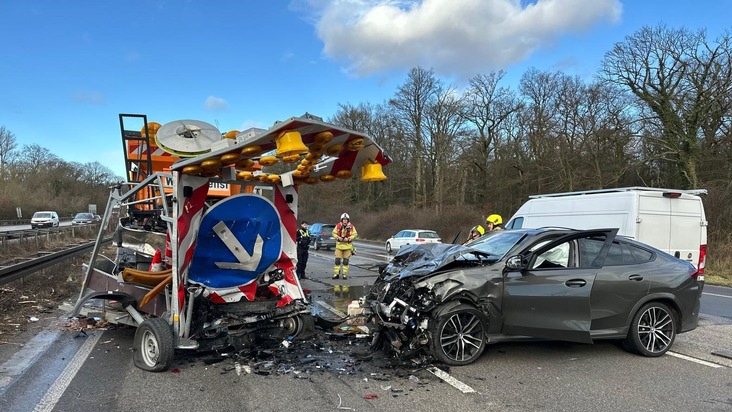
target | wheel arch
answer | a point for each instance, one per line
(665, 298)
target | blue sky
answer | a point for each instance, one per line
(68, 68)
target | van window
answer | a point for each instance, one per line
(516, 223)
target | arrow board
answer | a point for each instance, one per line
(239, 238)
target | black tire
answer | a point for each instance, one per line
(388, 248)
(307, 326)
(153, 345)
(458, 335)
(317, 245)
(652, 331)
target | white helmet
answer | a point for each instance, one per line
(345, 216)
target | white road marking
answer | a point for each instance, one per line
(59, 386)
(699, 361)
(25, 357)
(451, 380)
(714, 294)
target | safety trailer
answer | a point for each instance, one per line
(227, 278)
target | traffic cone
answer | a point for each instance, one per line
(157, 262)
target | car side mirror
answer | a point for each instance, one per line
(515, 263)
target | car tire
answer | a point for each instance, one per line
(153, 345)
(458, 335)
(388, 248)
(652, 331)
(317, 245)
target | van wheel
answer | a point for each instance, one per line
(153, 345)
(652, 331)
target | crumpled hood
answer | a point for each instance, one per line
(423, 259)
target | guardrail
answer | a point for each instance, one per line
(24, 235)
(14, 222)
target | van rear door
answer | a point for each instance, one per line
(654, 220)
(688, 228)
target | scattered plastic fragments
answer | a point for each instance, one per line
(340, 402)
(371, 396)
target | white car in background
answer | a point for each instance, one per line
(411, 236)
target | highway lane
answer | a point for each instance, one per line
(511, 376)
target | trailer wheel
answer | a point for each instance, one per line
(153, 345)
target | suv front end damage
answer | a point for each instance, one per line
(420, 284)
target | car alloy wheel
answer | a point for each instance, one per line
(652, 331)
(388, 247)
(458, 337)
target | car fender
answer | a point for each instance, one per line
(662, 297)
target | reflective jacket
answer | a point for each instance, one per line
(347, 233)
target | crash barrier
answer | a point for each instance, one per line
(16, 222)
(20, 237)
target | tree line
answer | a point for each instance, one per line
(657, 113)
(33, 178)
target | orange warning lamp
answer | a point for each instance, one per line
(372, 172)
(289, 144)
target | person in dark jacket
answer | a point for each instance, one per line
(303, 244)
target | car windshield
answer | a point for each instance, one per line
(497, 243)
(428, 235)
(42, 215)
(84, 216)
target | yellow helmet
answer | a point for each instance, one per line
(495, 219)
(478, 229)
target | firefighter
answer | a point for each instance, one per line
(344, 234)
(303, 244)
(475, 233)
(494, 223)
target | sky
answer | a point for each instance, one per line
(69, 68)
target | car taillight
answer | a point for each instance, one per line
(702, 263)
(419, 240)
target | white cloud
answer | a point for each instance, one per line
(215, 103)
(460, 37)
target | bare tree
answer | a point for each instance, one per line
(410, 103)
(488, 107)
(7, 149)
(680, 77)
(444, 127)
(541, 91)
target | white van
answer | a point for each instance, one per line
(670, 220)
(45, 218)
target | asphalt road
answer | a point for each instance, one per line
(68, 373)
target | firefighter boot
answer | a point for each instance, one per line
(336, 270)
(345, 272)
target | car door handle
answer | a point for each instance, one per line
(636, 277)
(575, 283)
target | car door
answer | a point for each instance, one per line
(622, 281)
(548, 296)
(400, 239)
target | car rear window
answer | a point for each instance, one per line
(327, 229)
(428, 235)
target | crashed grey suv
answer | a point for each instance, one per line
(449, 301)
